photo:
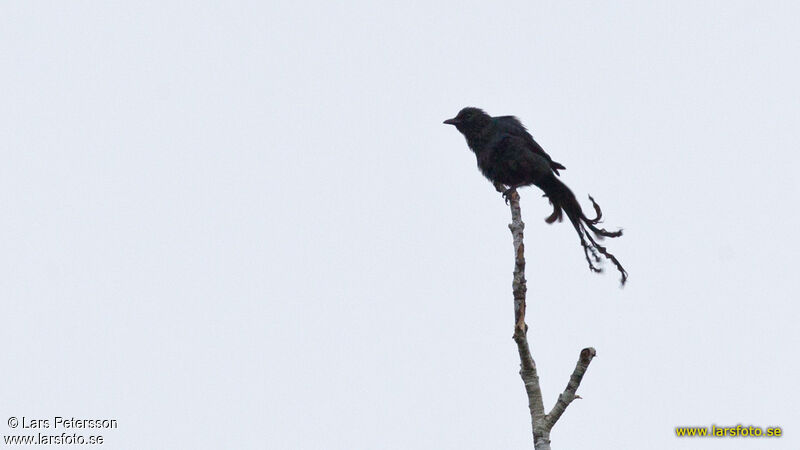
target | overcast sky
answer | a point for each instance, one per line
(244, 225)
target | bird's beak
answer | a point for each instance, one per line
(452, 121)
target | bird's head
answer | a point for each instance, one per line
(470, 120)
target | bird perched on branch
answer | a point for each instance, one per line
(508, 155)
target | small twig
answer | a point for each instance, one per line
(566, 397)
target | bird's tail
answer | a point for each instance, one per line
(564, 201)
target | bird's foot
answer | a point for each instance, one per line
(508, 192)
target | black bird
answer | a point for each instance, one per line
(508, 155)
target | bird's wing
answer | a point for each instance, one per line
(513, 163)
(511, 125)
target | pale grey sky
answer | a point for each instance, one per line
(243, 224)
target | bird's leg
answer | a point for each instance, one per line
(507, 193)
(501, 188)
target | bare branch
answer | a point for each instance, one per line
(541, 423)
(566, 397)
(541, 434)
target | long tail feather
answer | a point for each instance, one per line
(564, 201)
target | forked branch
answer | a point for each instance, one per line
(540, 422)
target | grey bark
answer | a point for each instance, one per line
(541, 423)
